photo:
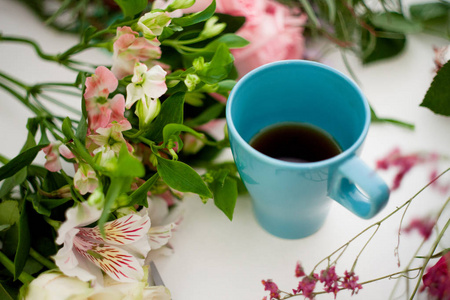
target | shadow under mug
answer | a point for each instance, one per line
(291, 200)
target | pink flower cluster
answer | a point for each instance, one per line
(423, 225)
(106, 108)
(274, 31)
(405, 162)
(436, 282)
(332, 283)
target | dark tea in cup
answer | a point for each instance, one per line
(295, 142)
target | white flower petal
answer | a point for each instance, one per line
(114, 261)
(134, 93)
(80, 215)
(71, 263)
(160, 235)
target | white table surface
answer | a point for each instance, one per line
(217, 259)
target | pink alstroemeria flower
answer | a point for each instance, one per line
(85, 179)
(101, 110)
(52, 152)
(111, 137)
(129, 49)
(85, 253)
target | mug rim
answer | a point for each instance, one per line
(296, 165)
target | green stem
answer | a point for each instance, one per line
(42, 260)
(431, 252)
(24, 277)
(24, 101)
(13, 80)
(36, 47)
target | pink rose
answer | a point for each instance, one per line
(274, 35)
(274, 31)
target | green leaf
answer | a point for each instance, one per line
(9, 212)
(13, 181)
(118, 186)
(175, 129)
(208, 114)
(139, 196)
(196, 17)
(437, 98)
(395, 22)
(231, 40)
(67, 128)
(434, 17)
(219, 66)
(130, 8)
(17, 163)
(35, 200)
(4, 295)
(4, 227)
(24, 244)
(225, 195)
(428, 11)
(82, 130)
(182, 177)
(384, 47)
(171, 112)
(128, 165)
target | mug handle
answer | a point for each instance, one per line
(358, 188)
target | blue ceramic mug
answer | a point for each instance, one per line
(290, 199)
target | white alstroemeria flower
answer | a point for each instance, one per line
(146, 82)
(85, 253)
(54, 285)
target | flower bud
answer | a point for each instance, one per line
(152, 23)
(147, 109)
(191, 81)
(211, 28)
(97, 198)
(180, 4)
(199, 63)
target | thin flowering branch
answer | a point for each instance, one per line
(334, 283)
(432, 250)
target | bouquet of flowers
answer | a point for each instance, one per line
(88, 223)
(145, 122)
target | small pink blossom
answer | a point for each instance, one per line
(442, 187)
(52, 152)
(436, 282)
(350, 282)
(330, 280)
(299, 271)
(403, 163)
(423, 225)
(130, 49)
(307, 285)
(271, 286)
